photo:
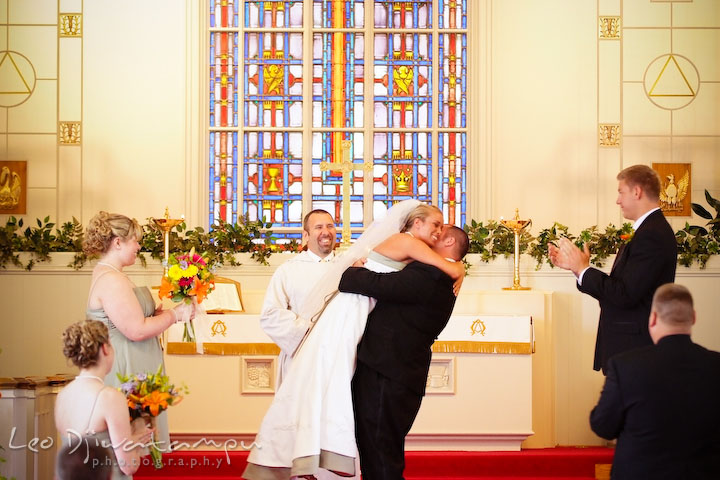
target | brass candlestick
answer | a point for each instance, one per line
(166, 224)
(517, 226)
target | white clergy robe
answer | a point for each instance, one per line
(288, 288)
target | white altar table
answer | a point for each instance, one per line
(479, 390)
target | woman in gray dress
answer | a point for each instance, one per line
(89, 413)
(128, 311)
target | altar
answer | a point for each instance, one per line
(479, 390)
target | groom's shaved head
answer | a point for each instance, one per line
(453, 242)
(462, 242)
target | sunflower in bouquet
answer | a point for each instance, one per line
(148, 395)
(188, 278)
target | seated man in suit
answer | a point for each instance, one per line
(413, 306)
(661, 401)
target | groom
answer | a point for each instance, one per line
(413, 307)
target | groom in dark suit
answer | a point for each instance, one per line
(661, 401)
(647, 261)
(413, 307)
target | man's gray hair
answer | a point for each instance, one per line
(674, 305)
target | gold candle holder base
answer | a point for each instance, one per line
(166, 224)
(517, 226)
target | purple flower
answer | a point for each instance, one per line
(128, 387)
(142, 377)
(184, 264)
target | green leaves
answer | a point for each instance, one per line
(488, 239)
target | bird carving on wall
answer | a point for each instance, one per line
(10, 188)
(672, 194)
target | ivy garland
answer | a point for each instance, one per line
(696, 244)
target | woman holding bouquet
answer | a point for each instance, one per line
(89, 413)
(128, 311)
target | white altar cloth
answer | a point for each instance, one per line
(240, 334)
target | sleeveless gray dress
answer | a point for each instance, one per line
(100, 439)
(131, 357)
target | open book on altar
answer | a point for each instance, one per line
(225, 298)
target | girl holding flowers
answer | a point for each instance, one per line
(89, 413)
(129, 312)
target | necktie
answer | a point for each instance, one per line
(619, 254)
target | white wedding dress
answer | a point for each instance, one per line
(310, 423)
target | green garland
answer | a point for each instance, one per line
(220, 244)
(696, 244)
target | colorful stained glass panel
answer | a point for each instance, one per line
(273, 13)
(223, 79)
(403, 81)
(338, 70)
(402, 166)
(224, 13)
(223, 176)
(452, 153)
(452, 13)
(327, 184)
(339, 14)
(452, 50)
(403, 14)
(273, 79)
(272, 177)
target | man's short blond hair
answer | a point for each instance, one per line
(644, 177)
(674, 305)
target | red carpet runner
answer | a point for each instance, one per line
(567, 463)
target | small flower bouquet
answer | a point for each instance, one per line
(149, 394)
(188, 279)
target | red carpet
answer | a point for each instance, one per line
(567, 463)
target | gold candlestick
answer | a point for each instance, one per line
(517, 226)
(166, 224)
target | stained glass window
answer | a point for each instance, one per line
(297, 87)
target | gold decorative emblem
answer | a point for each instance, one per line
(10, 189)
(609, 135)
(218, 327)
(70, 24)
(70, 133)
(478, 326)
(671, 81)
(672, 194)
(13, 186)
(675, 188)
(17, 79)
(609, 28)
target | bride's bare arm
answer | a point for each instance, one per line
(402, 247)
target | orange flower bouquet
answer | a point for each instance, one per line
(149, 394)
(188, 279)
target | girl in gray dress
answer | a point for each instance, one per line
(128, 311)
(89, 413)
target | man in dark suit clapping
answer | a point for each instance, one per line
(647, 261)
(413, 306)
(661, 401)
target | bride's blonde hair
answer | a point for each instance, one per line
(421, 212)
(105, 226)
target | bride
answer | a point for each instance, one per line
(310, 423)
